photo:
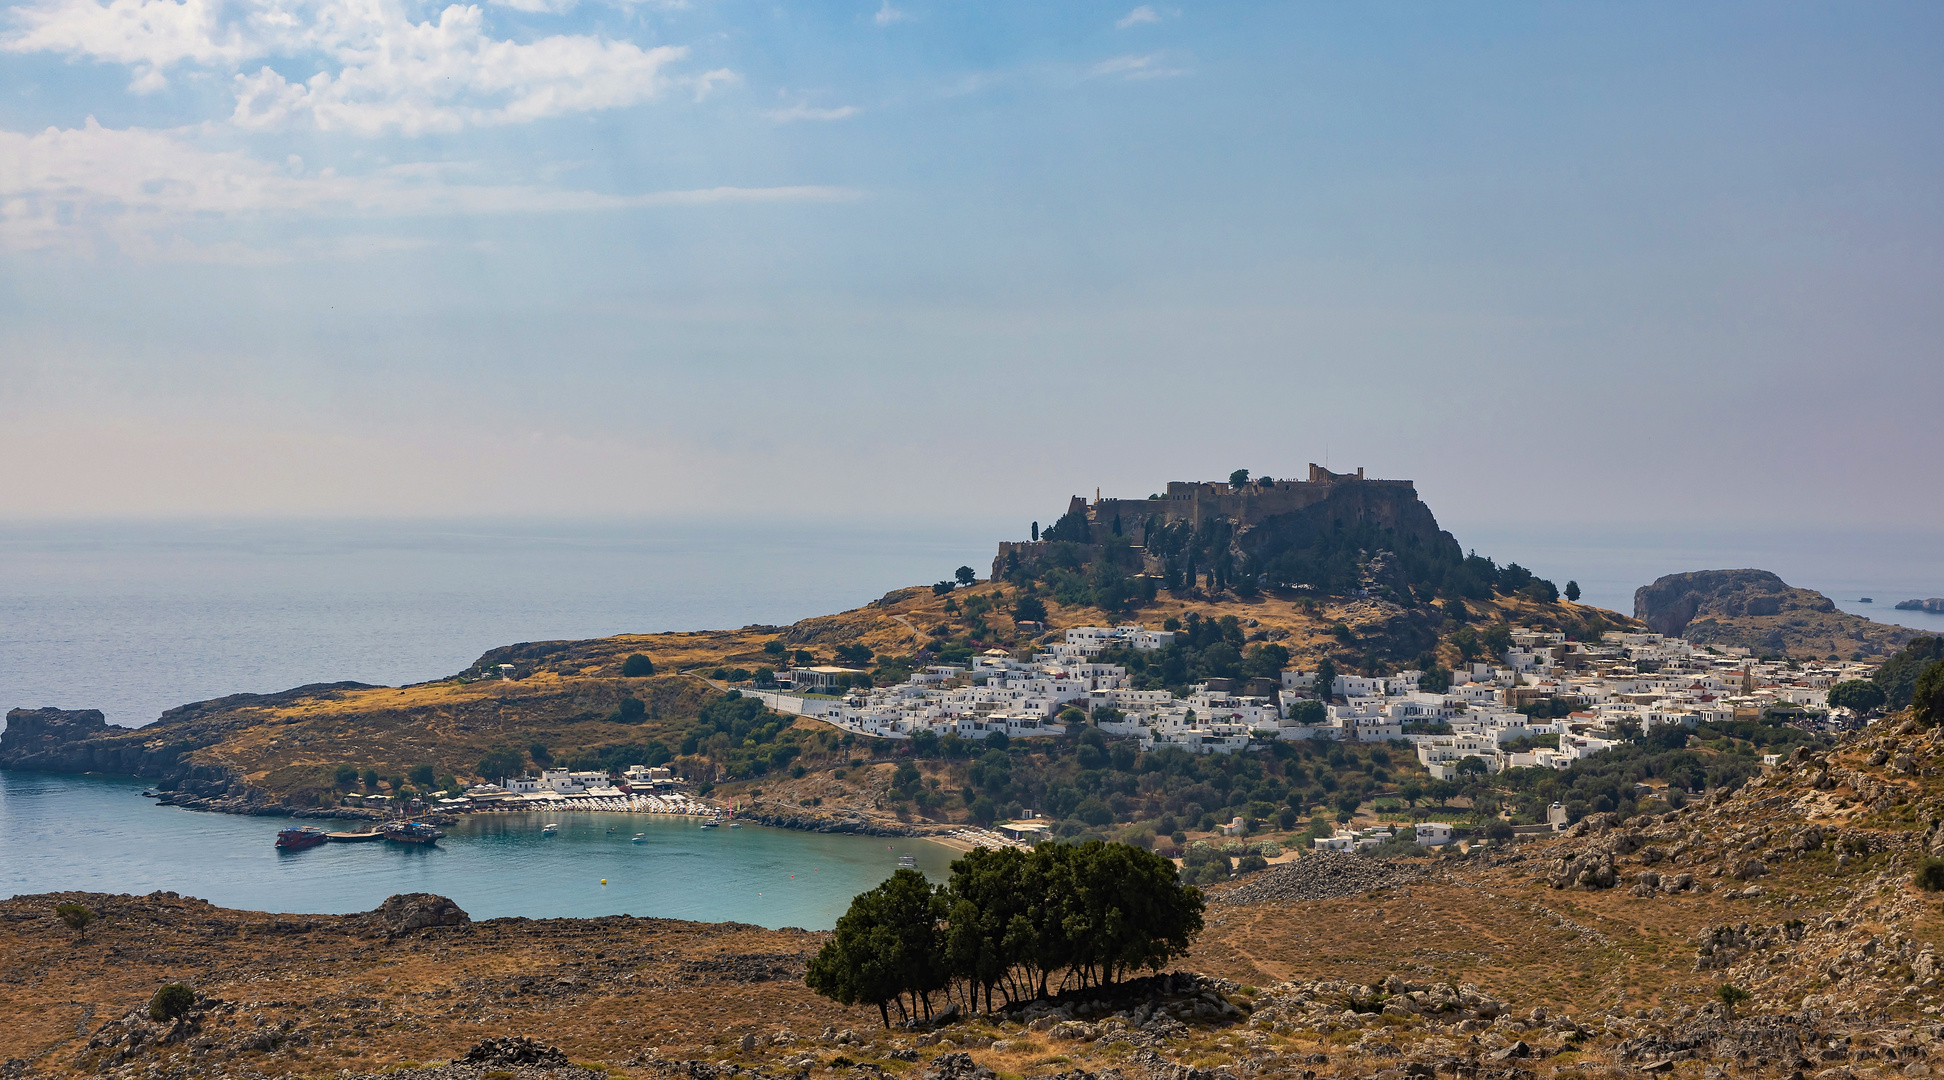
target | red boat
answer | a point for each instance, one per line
(297, 839)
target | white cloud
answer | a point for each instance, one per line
(705, 83)
(449, 75)
(1142, 14)
(153, 32)
(362, 66)
(1134, 67)
(96, 188)
(537, 7)
(802, 111)
(147, 80)
(886, 15)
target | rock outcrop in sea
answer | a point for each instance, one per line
(1756, 609)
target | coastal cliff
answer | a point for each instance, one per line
(1756, 609)
(167, 751)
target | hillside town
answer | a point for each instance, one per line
(1548, 701)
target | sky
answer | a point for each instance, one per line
(1594, 266)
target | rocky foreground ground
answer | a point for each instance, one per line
(1596, 953)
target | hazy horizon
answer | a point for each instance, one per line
(137, 618)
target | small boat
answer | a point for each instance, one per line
(640, 838)
(410, 832)
(549, 829)
(354, 837)
(735, 824)
(711, 823)
(1866, 600)
(907, 862)
(297, 839)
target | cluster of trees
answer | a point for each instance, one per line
(1914, 676)
(742, 736)
(1088, 784)
(1195, 556)
(1202, 649)
(1105, 583)
(1860, 696)
(1901, 678)
(421, 777)
(1078, 576)
(1606, 782)
(964, 575)
(1011, 924)
(782, 654)
(1206, 864)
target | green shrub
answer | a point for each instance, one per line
(637, 666)
(172, 1002)
(1930, 875)
(630, 710)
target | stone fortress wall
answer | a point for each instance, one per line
(1195, 502)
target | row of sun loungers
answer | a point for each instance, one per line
(625, 804)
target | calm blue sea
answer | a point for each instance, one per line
(98, 834)
(1844, 565)
(134, 619)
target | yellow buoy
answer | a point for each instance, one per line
(604, 881)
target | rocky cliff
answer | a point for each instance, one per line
(1756, 609)
(1392, 508)
(81, 740)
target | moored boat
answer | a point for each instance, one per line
(354, 837)
(299, 838)
(410, 832)
(549, 829)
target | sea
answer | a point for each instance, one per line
(135, 618)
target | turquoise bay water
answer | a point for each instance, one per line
(97, 834)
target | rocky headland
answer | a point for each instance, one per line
(279, 753)
(1757, 610)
